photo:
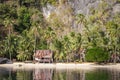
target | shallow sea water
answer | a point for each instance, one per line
(59, 74)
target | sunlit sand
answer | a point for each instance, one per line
(88, 66)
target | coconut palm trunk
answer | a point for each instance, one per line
(35, 43)
(9, 39)
(115, 58)
(8, 24)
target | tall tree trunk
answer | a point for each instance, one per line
(35, 44)
(115, 58)
(9, 39)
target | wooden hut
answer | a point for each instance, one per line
(43, 56)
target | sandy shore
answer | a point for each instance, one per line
(21, 65)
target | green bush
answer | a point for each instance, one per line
(96, 54)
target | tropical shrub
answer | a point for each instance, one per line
(96, 54)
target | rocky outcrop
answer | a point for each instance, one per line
(5, 61)
(83, 6)
(78, 7)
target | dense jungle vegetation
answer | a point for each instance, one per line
(24, 29)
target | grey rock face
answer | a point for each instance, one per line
(80, 7)
(83, 6)
(48, 10)
(116, 8)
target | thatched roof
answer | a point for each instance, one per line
(43, 54)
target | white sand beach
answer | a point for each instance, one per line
(21, 65)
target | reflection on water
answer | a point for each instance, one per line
(54, 74)
(42, 74)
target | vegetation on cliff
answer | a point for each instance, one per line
(24, 29)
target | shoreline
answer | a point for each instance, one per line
(88, 66)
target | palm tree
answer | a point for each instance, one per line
(34, 33)
(58, 48)
(8, 24)
(81, 20)
(37, 22)
(49, 36)
(25, 47)
(113, 35)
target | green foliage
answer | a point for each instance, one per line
(65, 46)
(23, 20)
(2, 48)
(42, 45)
(11, 49)
(6, 11)
(96, 54)
(25, 46)
(81, 18)
(25, 2)
(22, 56)
(28, 30)
(44, 2)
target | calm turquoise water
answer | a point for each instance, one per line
(53, 74)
